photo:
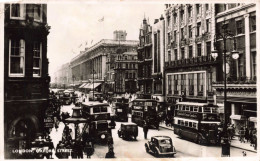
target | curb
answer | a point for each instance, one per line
(243, 148)
(254, 151)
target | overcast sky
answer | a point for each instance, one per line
(73, 24)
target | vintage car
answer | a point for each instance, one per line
(66, 98)
(160, 146)
(128, 131)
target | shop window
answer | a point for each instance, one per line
(16, 57)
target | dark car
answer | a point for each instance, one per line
(128, 130)
(66, 98)
(160, 146)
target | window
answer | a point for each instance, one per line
(183, 82)
(253, 57)
(195, 109)
(191, 84)
(175, 18)
(186, 123)
(190, 124)
(16, 57)
(190, 11)
(194, 125)
(208, 25)
(182, 33)
(241, 66)
(182, 53)
(17, 11)
(198, 8)
(207, 7)
(169, 56)
(190, 52)
(169, 38)
(126, 75)
(182, 15)
(175, 36)
(198, 49)
(240, 27)
(168, 20)
(253, 23)
(35, 11)
(198, 28)
(37, 52)
(208, 44)
(190, 31)
(175, 54)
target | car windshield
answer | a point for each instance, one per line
(131, 127)
(102, 126)
(165, 141)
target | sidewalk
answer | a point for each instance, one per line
(234, 143)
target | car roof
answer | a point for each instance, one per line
(129, 123)
(161, 137)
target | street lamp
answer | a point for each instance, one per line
(226, 34)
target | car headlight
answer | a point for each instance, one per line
(103, 136)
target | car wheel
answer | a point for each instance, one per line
(156, 153)
(147, 149)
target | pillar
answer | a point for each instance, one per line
(247, 46)
(232, 112)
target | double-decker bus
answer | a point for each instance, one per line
(197, 122)
(145, 110)
(120, 107)
(97, 115)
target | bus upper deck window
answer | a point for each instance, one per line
(191, 108)
(190, 124)
(187, 108)
(195, 109)
(183, 108)
(179, 122)
(200, 109)
(194, 125)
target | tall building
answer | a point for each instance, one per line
(98, 62)
(241, 73)
(126, 73)
(158, 54)
(145, 81)
(26, 79)
(189, 66)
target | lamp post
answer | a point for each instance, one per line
(226, 34)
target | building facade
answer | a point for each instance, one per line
(189, 67)
(97, 63)
(145, 80)
(241, 73)
(26, 79)
(126, 73)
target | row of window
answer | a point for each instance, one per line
(126, 65)
(17, 58)
(192, 84)
(196, 109)
(19, 11)
(186, 123)
(189, 52)
(126, 57)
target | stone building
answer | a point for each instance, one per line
(26, 79)
(126, 73)
(241, 73)
(97, 63)
(189, 66)
(145, 80)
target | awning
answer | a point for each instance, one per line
(90, 85)
(86, 85)
(238, 117)
(238, 99)
(252, 119)
(82, 85)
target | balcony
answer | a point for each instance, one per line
(190, 62)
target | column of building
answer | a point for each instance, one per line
(247, 46)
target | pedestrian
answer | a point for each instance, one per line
(247, 135)
(110, 153)
(88, 149)
(110, 142)
(145, 129)
(242, 135)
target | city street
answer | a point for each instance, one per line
(136, 149)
